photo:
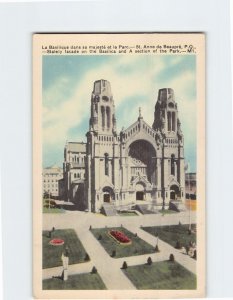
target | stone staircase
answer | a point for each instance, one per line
(146, 209)
(177, 205)
(109, 209)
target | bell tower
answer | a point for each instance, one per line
(102, 120)
(166, 113)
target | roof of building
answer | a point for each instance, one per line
(76, 147)
(52, 169)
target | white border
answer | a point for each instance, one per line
(17, 23)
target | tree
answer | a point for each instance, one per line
(124, 266)
(171, 257)
(149, 261)
(87, 257)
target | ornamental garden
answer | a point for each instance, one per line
(153, 271)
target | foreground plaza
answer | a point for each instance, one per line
(86, 235)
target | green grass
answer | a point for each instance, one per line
(75, 282)
(52, 254)
(51, 209)
(137, 247)
(167, 211)
(173, 233)
(127, 213)
(164, 275)
(47, 210)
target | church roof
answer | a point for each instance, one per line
(76, 147)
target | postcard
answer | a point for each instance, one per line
(119, 165)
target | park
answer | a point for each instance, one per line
(125, 252)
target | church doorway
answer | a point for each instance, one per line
(139, 195)
(139, 191)
(174, 192)
(108, 194)
(107, 198)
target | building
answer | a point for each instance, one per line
(190, 186)
(51, 177)
(141, 164)
(74, 167)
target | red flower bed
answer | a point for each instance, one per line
(119, 236)
(56, 242)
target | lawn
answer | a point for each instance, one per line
(127, 213)
(173, 233)
(164, 275)
(52, 208)
(137, 246)
(75, 282)
(55, 210)
(52, 254)
(167, 211)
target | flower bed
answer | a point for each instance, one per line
(56, 242)
(119, 237)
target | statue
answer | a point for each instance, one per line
(65, 263)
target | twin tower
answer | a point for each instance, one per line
(141, 164)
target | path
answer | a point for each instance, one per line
(110, 268)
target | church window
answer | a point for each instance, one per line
(173, 121)
(103, 116)
(172, 164)
(78, 175)
(169, 120)
(74, 175)
(106, 164)
(108, 116)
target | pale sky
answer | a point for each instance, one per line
(135, 81)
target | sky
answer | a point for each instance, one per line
(135, 80)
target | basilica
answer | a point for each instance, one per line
(140, 164)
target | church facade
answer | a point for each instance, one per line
(140, 164)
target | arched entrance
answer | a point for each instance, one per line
(142, 160)
(140, 191)
(174, 192)
(108, 194)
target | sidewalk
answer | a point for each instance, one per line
(110, 268)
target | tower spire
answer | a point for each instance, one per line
(140, 113)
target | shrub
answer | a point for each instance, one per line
(100, 237)
(178, 245)
(87, 257)
(124, 266)
(135, 234)
(149, 261)
(171, 257)
(113, 253)
(94, 270)
(156, 248)
(195, 254)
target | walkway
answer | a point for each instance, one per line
(110, 268)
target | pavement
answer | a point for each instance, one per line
(110, 268)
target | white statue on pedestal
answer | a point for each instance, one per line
(65, 263)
